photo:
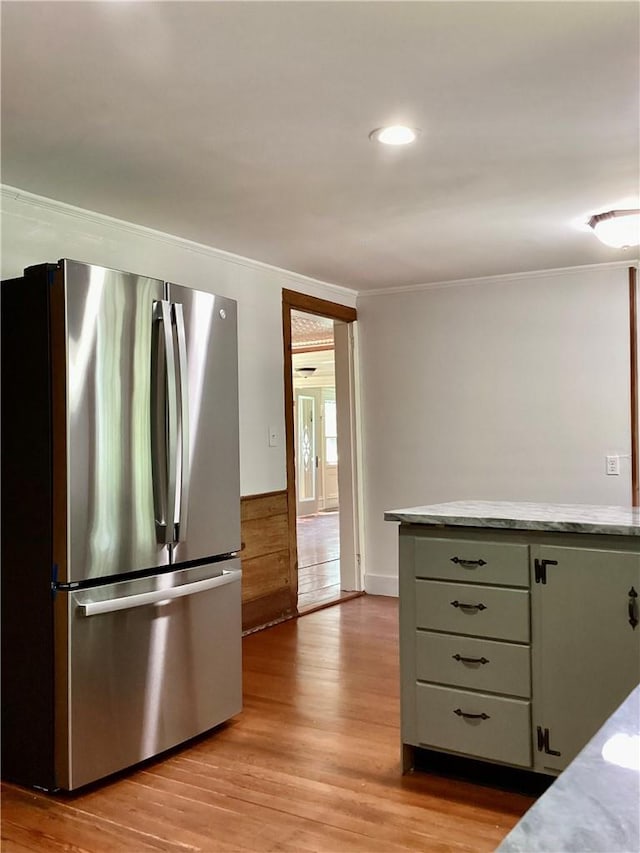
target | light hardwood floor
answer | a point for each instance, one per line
(319, 561)
(312, 763)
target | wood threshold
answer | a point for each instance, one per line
(344, 596)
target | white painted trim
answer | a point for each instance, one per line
(344, 294)
(361, 557)
(491, 279)
(350, 574)
(380, 585)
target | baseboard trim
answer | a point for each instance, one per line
(267, 610)
(381, 585)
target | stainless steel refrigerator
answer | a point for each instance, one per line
(121, 625)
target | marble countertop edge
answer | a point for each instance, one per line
(505, 515)
(593, 804)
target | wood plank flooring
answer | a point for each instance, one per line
(312, 763)
(318, 538)
(319, 561)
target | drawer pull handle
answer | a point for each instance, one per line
(470, 660)
(468, 606)
(481, 716)
(468, 564)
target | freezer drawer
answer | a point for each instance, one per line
(151, 663)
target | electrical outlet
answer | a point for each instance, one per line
(613, 465)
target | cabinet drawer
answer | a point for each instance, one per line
(504, 734)
(491, 611)
(472, 562)
(469, 662)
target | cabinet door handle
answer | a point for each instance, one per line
(633, 608)
(470, 660)
(457, 603)
(468, 564)
(462, 713)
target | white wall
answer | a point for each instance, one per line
(513, 388)
(36, 230)
(507, 389)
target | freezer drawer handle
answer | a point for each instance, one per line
(158, 595)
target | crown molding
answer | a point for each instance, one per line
(490, 279)
(101, 219)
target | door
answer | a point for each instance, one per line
(586, 652)
(152, 663)
(307, 424)
(207, 510)
(110, 515)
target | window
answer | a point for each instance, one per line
(330, 433)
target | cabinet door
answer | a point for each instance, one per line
(586, 652)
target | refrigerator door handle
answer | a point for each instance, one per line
(159, 596)
(185, 465)
(164, 425)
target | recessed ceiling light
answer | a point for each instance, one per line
(396, 134)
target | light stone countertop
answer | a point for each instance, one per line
(594, 805)
(570, 518)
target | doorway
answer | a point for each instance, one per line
(321, 482)
(316, 460)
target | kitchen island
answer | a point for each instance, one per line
(519, 629)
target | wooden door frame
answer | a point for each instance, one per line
(291, 300)
(633, 350)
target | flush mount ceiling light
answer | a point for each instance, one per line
(617, 228)
(396, 134)
(306, 371)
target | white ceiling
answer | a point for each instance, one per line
(245, 126)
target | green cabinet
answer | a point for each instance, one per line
(586, 649)
(465, 645)
(515, 646)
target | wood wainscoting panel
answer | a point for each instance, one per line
(268, 594)
(267, 535)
